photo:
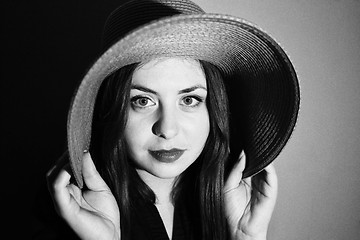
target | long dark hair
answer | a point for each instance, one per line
(201, 185)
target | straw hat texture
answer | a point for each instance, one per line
(264, 91)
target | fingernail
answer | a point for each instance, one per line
(242, 154)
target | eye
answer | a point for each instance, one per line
(141, 102)
(191, 101)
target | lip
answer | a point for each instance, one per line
(167, 156)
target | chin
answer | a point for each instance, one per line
(168, 172)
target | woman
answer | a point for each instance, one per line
(163, 137)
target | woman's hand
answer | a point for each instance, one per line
(92, 213)
(249, 202)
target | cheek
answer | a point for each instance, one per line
(198, 130)
(136, 133)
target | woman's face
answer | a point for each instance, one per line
(168, 121)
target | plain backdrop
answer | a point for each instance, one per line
(48, 45)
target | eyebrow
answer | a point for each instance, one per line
(186, 90)
(143, 89)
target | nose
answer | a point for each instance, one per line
(166, 125)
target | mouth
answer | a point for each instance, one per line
(167, 156)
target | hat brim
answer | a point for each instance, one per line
(257, 69)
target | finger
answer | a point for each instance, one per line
(59, 191)
(92, 178)
(263, 204)
(60, 163)
(236, 173)
(52, 174)
(272, 179)
(266, 180)
(265, 187)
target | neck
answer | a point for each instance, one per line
(162, 187)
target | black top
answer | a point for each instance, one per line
(146, 223)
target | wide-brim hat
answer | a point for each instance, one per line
(262, 84)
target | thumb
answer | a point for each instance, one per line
(236, 173)
(92, 178)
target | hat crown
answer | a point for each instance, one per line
(136, 13)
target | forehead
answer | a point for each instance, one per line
(165, 71)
